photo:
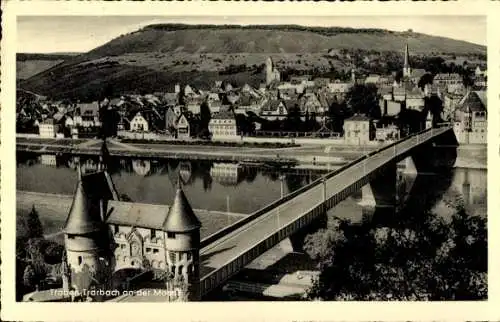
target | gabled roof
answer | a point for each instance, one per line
(471, 102)
(358, 117)
(271, 105)
(223, 115)
(181, 217)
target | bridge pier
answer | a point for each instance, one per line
(295, 242)
(381, 191)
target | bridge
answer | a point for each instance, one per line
(226, 252)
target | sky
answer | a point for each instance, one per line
(50, 34)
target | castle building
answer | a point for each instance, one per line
(115, 245)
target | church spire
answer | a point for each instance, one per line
(406, 65)
(407, 57)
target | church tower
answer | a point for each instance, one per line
(406, 65)
(269, 71)
(182, 245)
(89, 260)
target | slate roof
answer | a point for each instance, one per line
(136, 214)
(181, 217)
(471, 102)
(81, 218)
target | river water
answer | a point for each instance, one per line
(234, 187)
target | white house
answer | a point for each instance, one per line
(222, 126)
(48, 128)
(358, 130)
(139, 123)
(415, 100)
(183, 127)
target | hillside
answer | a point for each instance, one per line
(28, 64)
(275, 39)
(157, 56)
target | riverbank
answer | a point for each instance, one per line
(288, 155)
(53, 210)
(472, 156)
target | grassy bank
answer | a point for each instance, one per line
(269, 145)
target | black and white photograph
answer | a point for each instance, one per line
(250, 158)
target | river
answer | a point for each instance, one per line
(230, 187)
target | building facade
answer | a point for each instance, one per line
(470, 121)
(139, 123)
(358, 130)
(223, 126)
(48, 128)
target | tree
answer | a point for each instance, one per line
(362, 99)
(34, 225)
(30, 278)
(205, 115)
(292, 121)
(421, 257)
(337, 113)
(424, 80)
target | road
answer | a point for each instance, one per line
(243, 239)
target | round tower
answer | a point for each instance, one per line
(182, 245)
(89, 260)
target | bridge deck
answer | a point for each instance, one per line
(229, 247)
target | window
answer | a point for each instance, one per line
(156, 250)
(172, 256)
(122, 246)
(188, 255)
(170, 235)
(117, 229)
(148, 250)
(153, 233)
(79, 260)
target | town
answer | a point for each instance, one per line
(365, 109)
(283, 183)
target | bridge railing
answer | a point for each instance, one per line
(220, 233)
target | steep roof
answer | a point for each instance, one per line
(471, 102)
(81, 219)
(181, 217)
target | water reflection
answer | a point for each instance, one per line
(211, 184)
